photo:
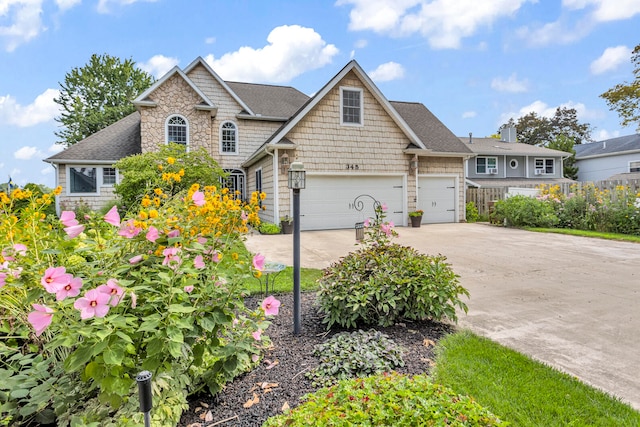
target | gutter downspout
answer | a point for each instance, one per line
(276, 204)
(57, 199)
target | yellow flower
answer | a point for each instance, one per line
(258, 274)
(143, 215)
(234, 256)
(146, 202)
(160, 167)
(153, 213)
(171, 160)
(158, 191)
(58, 190)
(263, 196)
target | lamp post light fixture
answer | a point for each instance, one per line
(296, 182)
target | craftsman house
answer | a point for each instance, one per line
(506, 163)
(352, 141)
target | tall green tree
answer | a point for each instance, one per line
(624, 98)
(96, 95)
(541, 131)
(564, 143)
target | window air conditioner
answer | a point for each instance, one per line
(538, 172)
(493, 171)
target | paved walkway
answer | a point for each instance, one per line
(571, 302)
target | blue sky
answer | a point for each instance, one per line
(473, 63)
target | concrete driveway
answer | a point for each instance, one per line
(571, 302)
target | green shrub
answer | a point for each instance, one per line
(379, 285)
(387, 400)
(268, 228)
(472, 212)
(354, 354)
(525, 211)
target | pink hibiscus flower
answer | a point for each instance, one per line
(134, 300)
(55, 278)
(93, 304)
(71, 289)
(173, 233)
(258, 262)
(216, 257)
(129, 230)
(257, 335)
(270, 305)
(3, 278)
(113, 290)
(152, 234)
(198, 262)
(198, 198)
(41, 318)
(68, 218)
(113, 217)
(387, 228)
(188, 289)
(171, 257)
(74, 230)
(136, 259)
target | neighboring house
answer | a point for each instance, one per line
(504, 163)
(351, 139)
(601, 160)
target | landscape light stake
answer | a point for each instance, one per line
(146, 399)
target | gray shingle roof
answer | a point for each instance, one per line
(118, 140)
(269, 100)
(608, 147)
(431, 131)
(497, 147)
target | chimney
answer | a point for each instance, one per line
(508, 134)
(470, 138)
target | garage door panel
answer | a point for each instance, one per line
(329, 201)
(437, 198)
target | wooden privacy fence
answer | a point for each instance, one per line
(483, 196)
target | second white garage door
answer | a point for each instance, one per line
(329, 201)
(437, 198)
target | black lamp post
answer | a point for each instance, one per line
(296, 182)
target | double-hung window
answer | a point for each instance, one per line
(351, 106)
(485, 165)
(87, 180)
(544, 166)
(228, 138)
(634, 166)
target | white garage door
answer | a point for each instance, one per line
(437, 198)
(339, 201)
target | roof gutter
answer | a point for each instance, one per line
(80, 162)
(431, 153)
(267, 149)
(617, 153)
(260, 117)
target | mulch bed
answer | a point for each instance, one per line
(280, 379)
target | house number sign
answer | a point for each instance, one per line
(352, 167)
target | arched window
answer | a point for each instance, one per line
(177, 130)
(228, 138)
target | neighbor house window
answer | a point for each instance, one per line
(485, 165)
(351, 106)
(108, 176)
(634, 166)
(177, 130)
(234, 182)
(228, 138)
(83, 180)
(545, 167)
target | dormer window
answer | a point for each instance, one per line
(177, 130)
(228, 138)
(351, 106)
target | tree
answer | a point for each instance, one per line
(171, 169)
(96, 95)
(624, 98)
(564, 143)
(541, 131)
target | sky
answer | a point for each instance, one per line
(473, 63)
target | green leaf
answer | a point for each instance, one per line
(77, 360)
(179, 308)
(113, 355)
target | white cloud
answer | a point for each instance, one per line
(46, 171)
(558, 32)
(542, 109)
(512, 84)
(386, 72)
(103, 5)
(291, 51)
(361, 44)
(43, 109)
(469, 114)
(55, 148)
(603, 134)
(606, 10)
(24, 22)
(158, 65)
(27, 153)
(210, 40)
(443, 22)
(610, 59)
(67, 4)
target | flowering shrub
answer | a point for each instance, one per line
(525, 211)
(383, 282)
(387, 400)
(86, 303)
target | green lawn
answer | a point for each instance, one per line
(284, 281)
(522, 391)
(585, 233)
